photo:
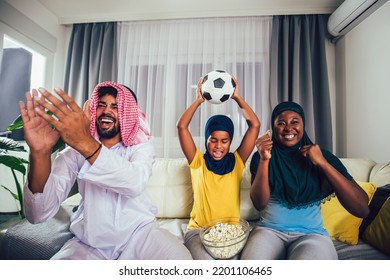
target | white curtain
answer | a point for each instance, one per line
(162, 61)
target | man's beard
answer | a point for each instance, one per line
(108, 133)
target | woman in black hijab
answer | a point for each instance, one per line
(291, 176)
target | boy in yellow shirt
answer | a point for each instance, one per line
(216, 174)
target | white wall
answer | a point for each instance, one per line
(364, 78)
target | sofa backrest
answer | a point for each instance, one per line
(367, 170)
(170, 188)
(359, 168)
(380, 174)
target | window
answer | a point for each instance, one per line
(23, 67)
(39, 61)
(162, 61)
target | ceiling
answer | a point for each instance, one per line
(82, 11)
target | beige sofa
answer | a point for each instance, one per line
(170, 189)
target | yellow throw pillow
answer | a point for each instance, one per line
(340, 224)
(377, 233)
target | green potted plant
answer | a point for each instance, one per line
(15, 163)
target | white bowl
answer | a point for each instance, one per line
(225, 238)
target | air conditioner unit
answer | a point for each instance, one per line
(350, 13)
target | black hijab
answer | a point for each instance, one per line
(225, 164)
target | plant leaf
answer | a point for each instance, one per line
(16, 124)
(20, 192)
(14, 195)
(14, 162)
(9, 144)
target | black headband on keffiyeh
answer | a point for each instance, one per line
(225, 164)
(134, 127)
(294, 180)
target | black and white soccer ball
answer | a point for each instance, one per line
(217, 86)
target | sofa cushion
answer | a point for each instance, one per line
(340, 224)
(377, 233)
(360, 251)
(170, 188)
(248, 211)
(380, 174)
(359, 168)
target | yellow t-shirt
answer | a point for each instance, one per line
(215, 196)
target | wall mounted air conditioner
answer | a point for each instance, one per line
(350, 13)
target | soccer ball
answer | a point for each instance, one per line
(218, 86)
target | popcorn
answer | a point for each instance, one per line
(225, 240)
(223, 232)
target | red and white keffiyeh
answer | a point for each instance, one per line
(132, 121)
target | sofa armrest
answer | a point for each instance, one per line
(26, 241)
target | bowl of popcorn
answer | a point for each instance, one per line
(225, 238)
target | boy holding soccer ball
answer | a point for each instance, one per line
(216, 174)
